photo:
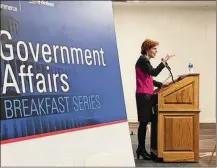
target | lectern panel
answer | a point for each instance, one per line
(181, 96)
(178, 132)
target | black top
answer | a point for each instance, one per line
(144, 64)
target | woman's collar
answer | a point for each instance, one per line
(145, 56)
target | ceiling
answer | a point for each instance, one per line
(186, 3)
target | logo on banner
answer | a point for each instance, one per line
(46, 3)
(8, 7)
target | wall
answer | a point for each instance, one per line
(187, 30)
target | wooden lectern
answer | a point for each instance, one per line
(175, 125)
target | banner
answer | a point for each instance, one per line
(59, 67)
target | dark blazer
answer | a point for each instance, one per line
(145, 87)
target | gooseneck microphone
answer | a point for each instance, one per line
(169, 69)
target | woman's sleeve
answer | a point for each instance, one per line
(146, 67)
(157, 84)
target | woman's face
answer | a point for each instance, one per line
(152, 52)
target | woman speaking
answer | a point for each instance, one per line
(144, 90)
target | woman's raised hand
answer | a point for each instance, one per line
(168, 57)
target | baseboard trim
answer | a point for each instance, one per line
(207, 125)
(202, 125)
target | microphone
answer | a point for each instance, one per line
(167, 66)
(169, 69)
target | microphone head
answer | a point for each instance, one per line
(162, 59)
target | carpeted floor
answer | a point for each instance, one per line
(149, 163)
(207, 144)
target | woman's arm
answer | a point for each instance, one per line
(157, 84)
(146, 67)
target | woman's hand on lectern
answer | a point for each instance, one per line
(168, 84)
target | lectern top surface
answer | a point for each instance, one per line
(179, 77)
(190, 74)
